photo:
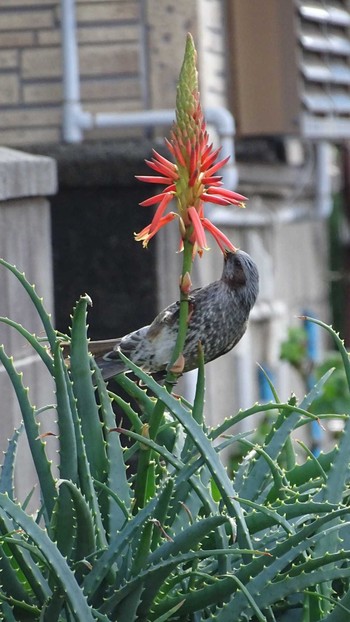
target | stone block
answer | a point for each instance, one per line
(27, 117)
(9, 92)
(16, 39)
(30, 136)
(106, 11)
(48, 36)
(25, 20)
(8, 59)
(112, 33)
(109, 59)
(48, 92)
(123, 89)
(25, 175)
(20, 4)
(41, 63)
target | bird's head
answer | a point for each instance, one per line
(241, 275)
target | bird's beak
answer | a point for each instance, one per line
(228, 253)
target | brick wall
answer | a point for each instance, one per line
(119, 41)
(30, 64)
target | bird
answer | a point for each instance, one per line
(218, 317)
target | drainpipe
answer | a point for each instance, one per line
(74, 118)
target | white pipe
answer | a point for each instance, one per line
(70, 69)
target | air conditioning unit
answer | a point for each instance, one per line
(290, 64)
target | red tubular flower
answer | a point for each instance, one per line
(192, 180)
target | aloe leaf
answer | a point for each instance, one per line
(187, 539)
(259, 573)
(338, 342)
(275, 471)
(37, 447)
(127, 610)
(198, 404)
(274, 517)
(22, 576)
(337, 615)
(7, 611)
(136, 392)
(270, 383)
(37, 301)
(67, 448)
(337, 603)
(204, 447)
(32, 340)
(220, 590)
(85, 479)
(265, 517)
(170, 612)
(10, 604)
(63, 525)
(118, 543)
(8, 465)
(339, 471)
(312, 457)
(56, 562)
(253, 484)
(229, 422)
(85, 393)
(86, 543)
(160, 513)
(182, 543)
(130, 413)
(264, 408)
(12, 580)
(119, 502)
(117, 473)
(165, 567)
(288, 585)
(186, 475)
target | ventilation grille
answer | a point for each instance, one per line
(323, 30)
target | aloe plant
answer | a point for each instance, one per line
(270, 543)
(176, 538)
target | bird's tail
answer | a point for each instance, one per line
(105, 355)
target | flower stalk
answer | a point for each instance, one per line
(189, 181)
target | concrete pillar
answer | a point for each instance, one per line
(25, 240)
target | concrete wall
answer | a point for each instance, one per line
(25, 240)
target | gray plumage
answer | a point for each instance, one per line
(218, 319)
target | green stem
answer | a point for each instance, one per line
(171, 376)
(183, 317)
(146, 464)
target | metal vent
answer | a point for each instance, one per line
(323, 30)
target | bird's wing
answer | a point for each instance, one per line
(129, 343)
(168, 317)
(100, 348)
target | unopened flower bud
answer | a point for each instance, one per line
(185, 283)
